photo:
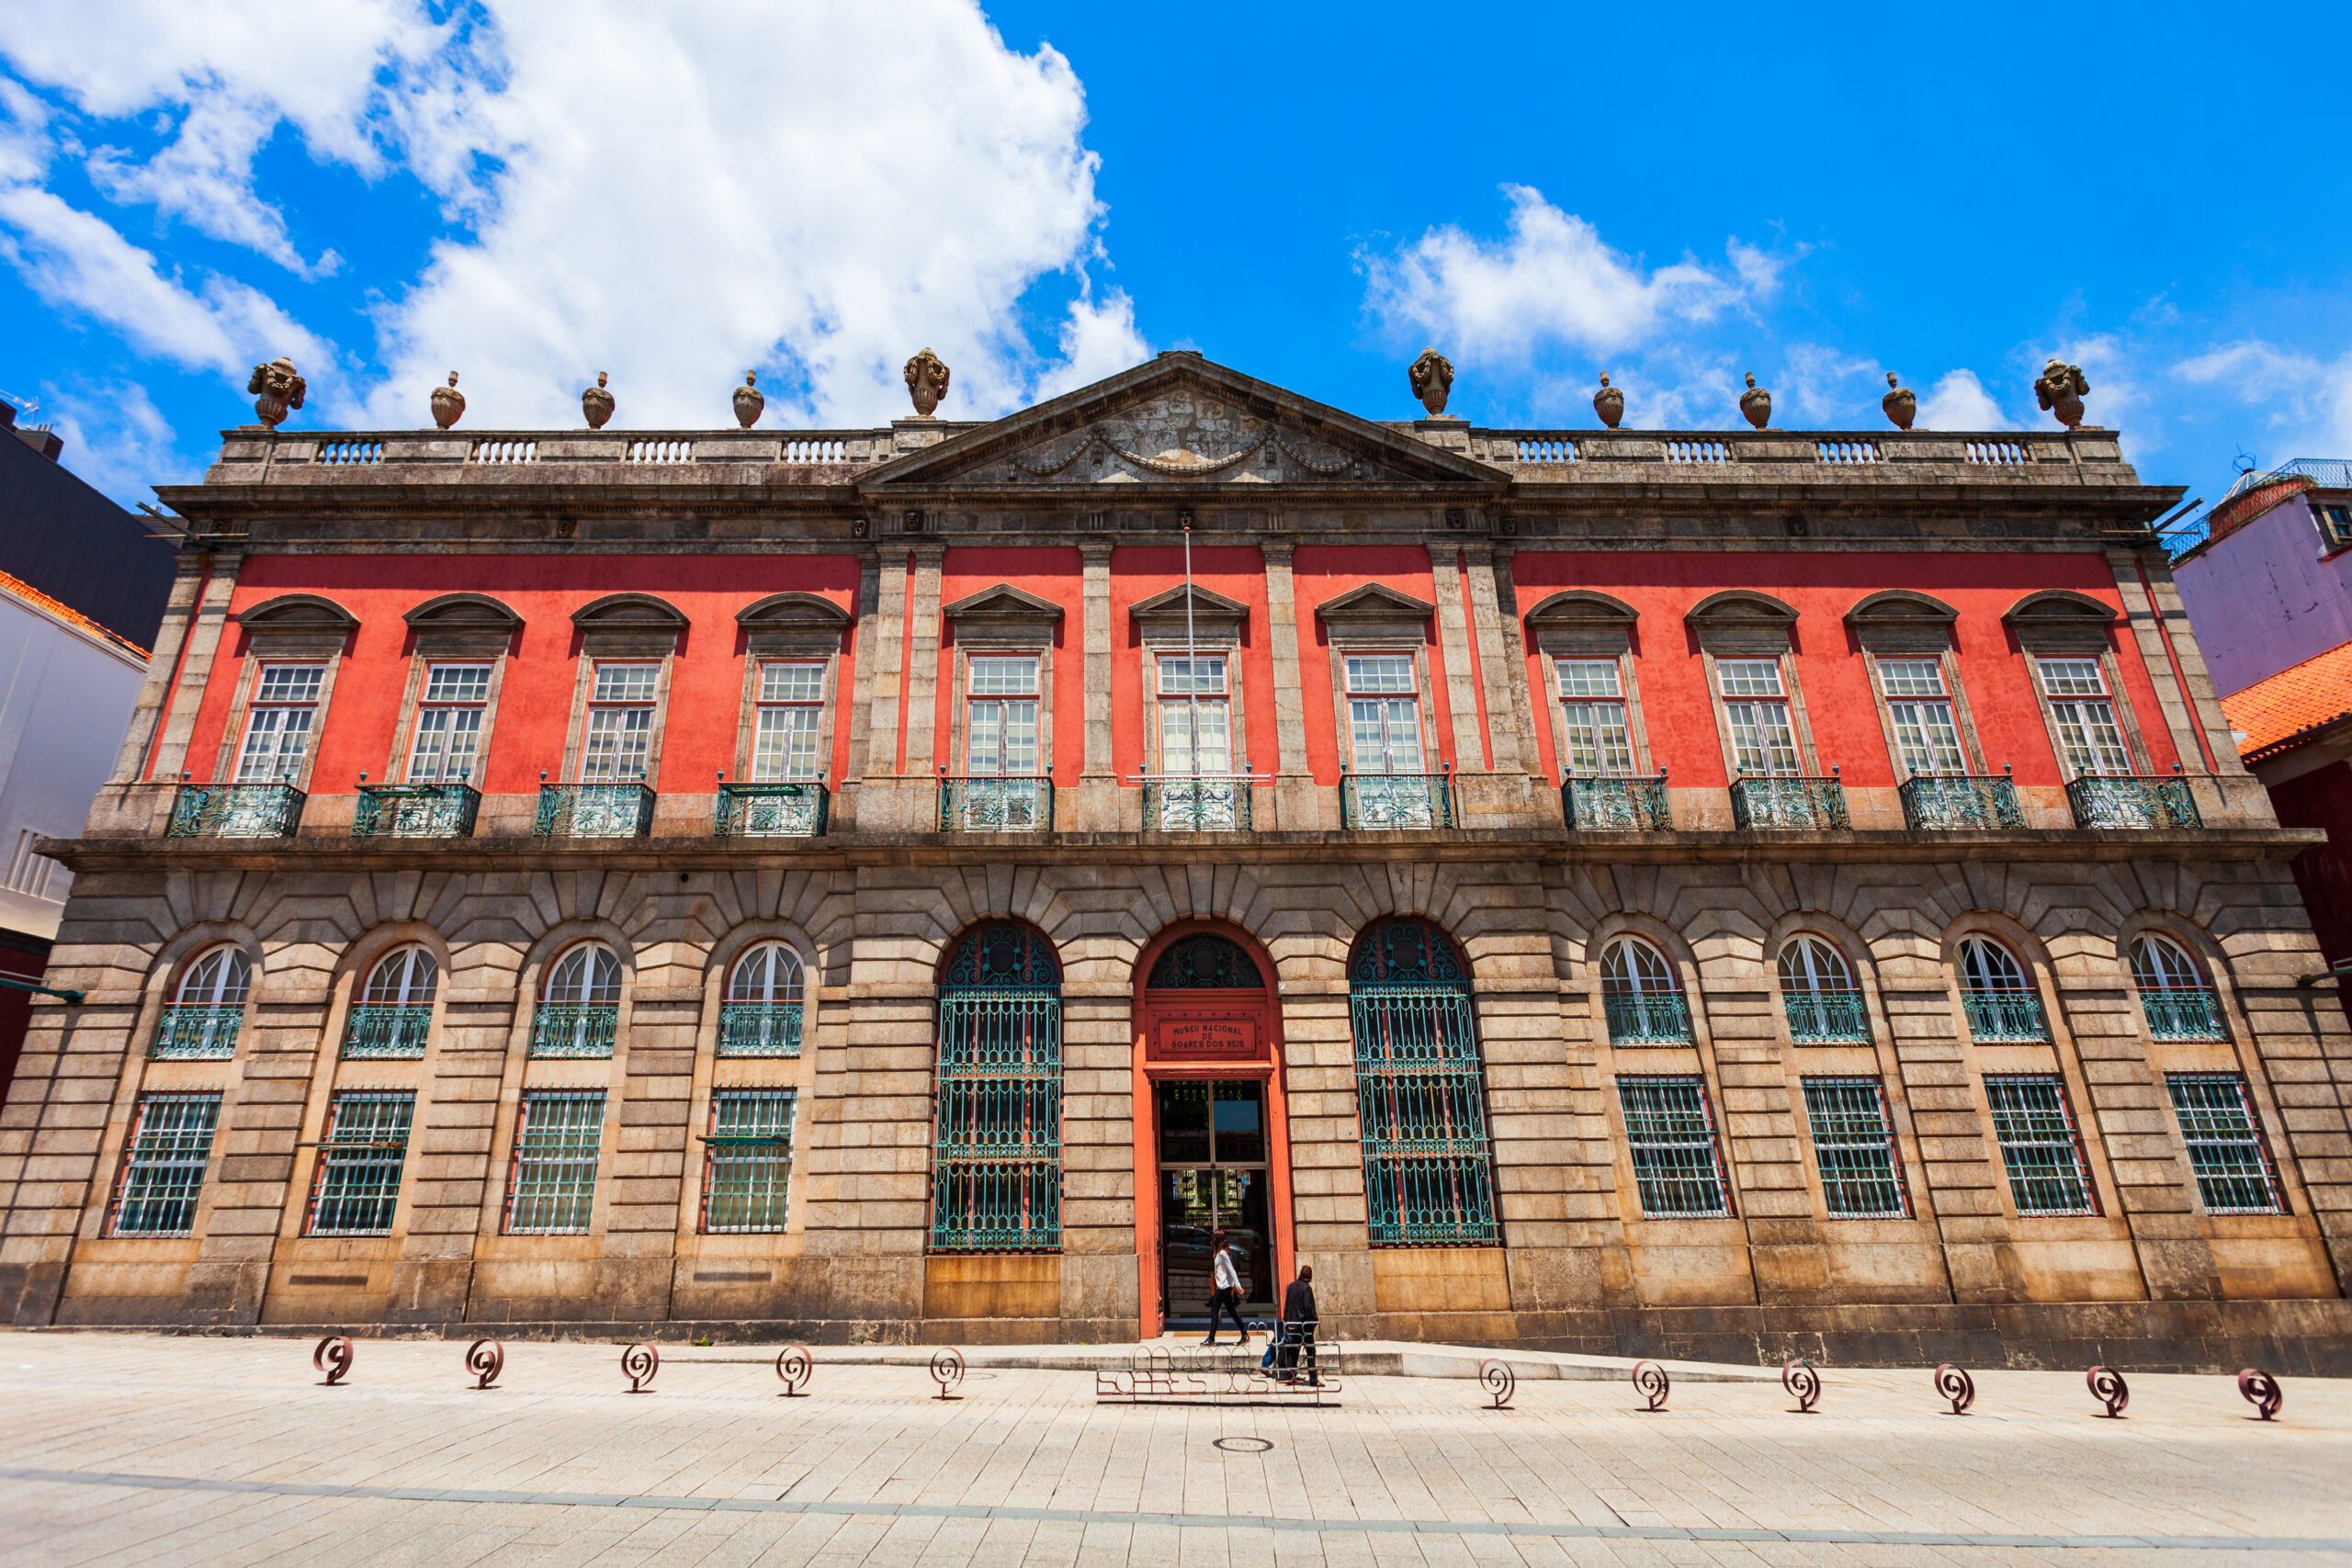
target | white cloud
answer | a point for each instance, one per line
(1959, 401)
(116, 439)
(1822, 388)
(205, 180)
(2309, 401)
(1552, 280)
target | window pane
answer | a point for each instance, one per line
(277, 740)
(1589, 678)
(2225, 1148)
(358, 1183)
(1380, 673)
(1911, 677)
(769, 973)
(616, 752)
(1926, 737)
(217, 979)
(553, 1186)
(1987, 966)
(785, 745)
(1810, 963)
(792, 683)
(1861, 1177)
(1761, 741)
(409, 976)
(1181, 719)
(1750, 677)
(162, 1172)
(1201, 676)
(1672, 1140)
(457, 684)
(2160, 964)
(2092, 742)
(2072, 678)
(2036, 1131)
(447, 743)
(625, 682)
(1598, 740)
(747, 1168)
(996, 677)
(1632, 966)
(289, 682)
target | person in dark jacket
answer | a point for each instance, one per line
(1298, 1326)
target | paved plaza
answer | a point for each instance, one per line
(135, 1449)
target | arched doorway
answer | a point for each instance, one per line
(1212, 1144)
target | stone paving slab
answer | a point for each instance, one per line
(122, 1448)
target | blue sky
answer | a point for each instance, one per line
(530, 191)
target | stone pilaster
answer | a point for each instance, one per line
(1297, 803)
(1470, 749)
(195, 671)
(1093, 805)
(922, 674)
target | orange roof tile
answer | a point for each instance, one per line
(67, 613)
(2275, 711)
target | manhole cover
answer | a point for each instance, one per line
(1243, 1445)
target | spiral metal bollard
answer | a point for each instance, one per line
(1652, 1384)
(486, 1358)
(793, 1364)
(947, 1371)
(1803, 1382)
(2107, 1387)
(1953, 1382)
(1497, 1379)
(332, 1356)
(638, 1363)
(2261, 1390)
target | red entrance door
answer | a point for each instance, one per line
(1211, 1149)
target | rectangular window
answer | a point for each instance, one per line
(162, 1168)
(448, 725)
(1862, 1171)
(1383, 713)
(2036, 1129)
(620, 724)
(2226, 1150)
(358, 1183)
(1755, 708)
(1671, 1135)
(784, 746)
(2085, 713)
(1592, 709)
(1001, 737)
(2336, 526)
(747, 1161)
(551, 1187)
(1926, 738)
(1429, 1158)
(1196, 717)
(278, 725)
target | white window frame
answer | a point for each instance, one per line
(1596, 718)
(460, 709)
(2080, 700)
(789, 706)
(1356, 686)
(633, 716)
(281, 763)
(1194, 709)
(1912, 714)
(1758, 700)
(996, 710)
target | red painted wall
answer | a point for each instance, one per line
(1321, 573)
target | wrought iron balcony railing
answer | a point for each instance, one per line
(574, 1029)
(1824, 1018)
(593, 811)
(1648, 1017)
(986, 804)
(759, 1029)
(380, 1029)
(2139, 801)
(1208, 805)
(2183, 1012)
(235, 811)
(795, 810)
(1997, 1016)
(187, 1033)
(1959, 800)
(1387, 802)
(415, 811)
(1616, 804)
(1806, 805)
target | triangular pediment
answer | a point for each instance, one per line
(1179, 420)
(1003, 602)
(1375, 602)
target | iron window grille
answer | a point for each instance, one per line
(1670, 1133)
(358, 1186)
(415, 811)
(551, 1184)
(747, 1161)
(1420, 1093)
(1616, 804)
(1853, 1145)
(235, 811)
(2227, 1151)
(163, 1165)
(997, 1097)
(1952, 801)
(2040, 1145)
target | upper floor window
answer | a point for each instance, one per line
(394, 1014)
(761, 1014)
(580, 1013)
(620, 723)
(1755, 708)
(278, 727)
(1920, 708)
(1195, 716)
(2180, 1004)
(1000, 738)
(792, 699)
(2000, 1000)
(1640, 996)
(207, 1009)
(2085, 713)
(1592, 710)
(449, 724)
(2336, 526)
(220, 978)
(1818, 993)
(1383, 713)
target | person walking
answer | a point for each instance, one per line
(1226, 1292)
(1298, 1326)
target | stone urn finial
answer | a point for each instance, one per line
(278, 389)
(1901, 405)
(1608, 402)
(1756, 404)
(926, 382)
(749, 401)
(1432, 379)
(596, 403)
(2060, 390)
(448, 403)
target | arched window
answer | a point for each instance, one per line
(761, 1014)
(996, 1170)
(1428, 1161)
(394, 1012)
(1818, 992)
(2180, 1004)
(1994, 992)
(207, 1009)
(579, 1013)
(1638, 992)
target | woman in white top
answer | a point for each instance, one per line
(1226, 1294)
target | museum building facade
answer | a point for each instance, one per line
(1590, 888)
